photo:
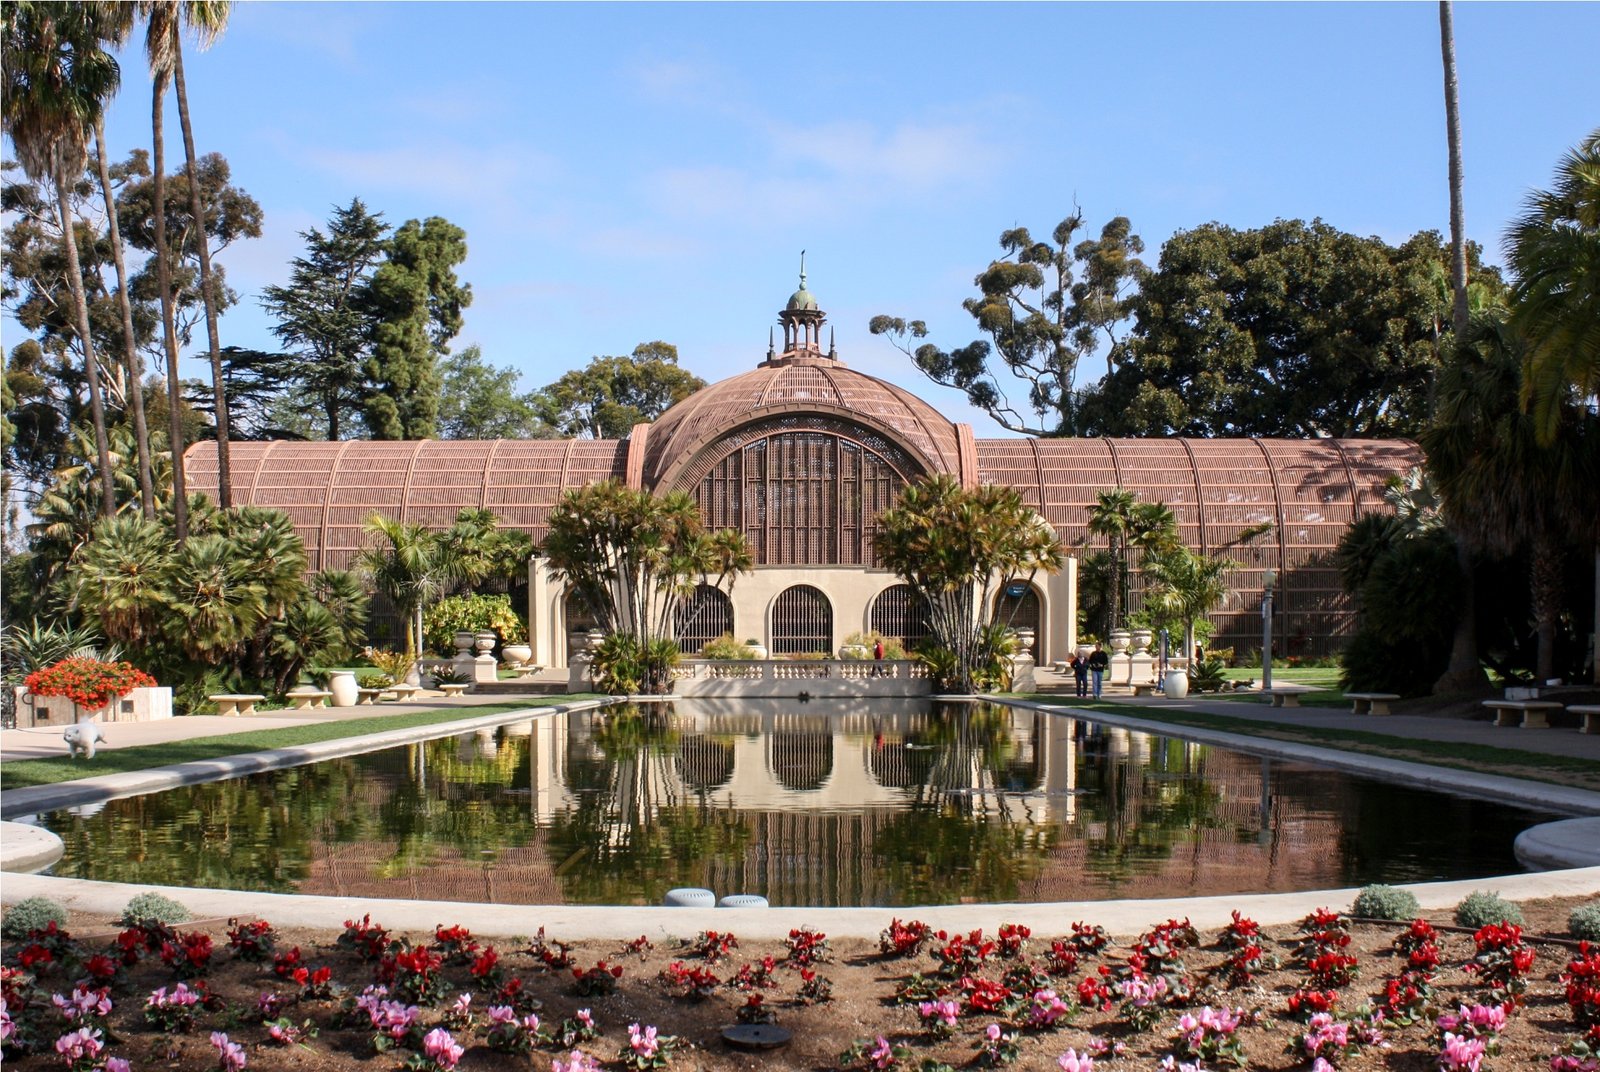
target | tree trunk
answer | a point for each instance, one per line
(207, 291)
(130, 355)
(1464, 672)
(97, 411)
(169, 333)
(1452, 114)
(1545, 586)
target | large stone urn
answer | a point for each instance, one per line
(1175, 684)
(516, 655)
(1120, 641)
(1141, 639)
(342, 684)
(758, 650)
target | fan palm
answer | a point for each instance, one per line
(122, 578)
(217, 604)
(410, 566)
(1186, 586)
(58, 78)
(1111, 516)
(1554, 253)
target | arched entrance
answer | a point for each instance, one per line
(802, 622)
(1019, 607)
(898, 611)
(703, 617)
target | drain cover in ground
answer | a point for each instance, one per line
(756, 1036)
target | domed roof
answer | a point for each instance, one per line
(802, 299)
(797, 390)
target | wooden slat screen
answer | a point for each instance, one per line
(702, 618)
(900, 612)
(802, 621)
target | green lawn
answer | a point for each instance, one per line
(25, 772)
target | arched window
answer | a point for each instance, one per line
(702, 618)
(808, 496)
(802, 621)
(900, 612)
(1018, 607)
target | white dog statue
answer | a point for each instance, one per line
(81, 738)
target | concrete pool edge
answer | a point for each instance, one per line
(1125, 916)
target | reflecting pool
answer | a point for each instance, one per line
(889, 803)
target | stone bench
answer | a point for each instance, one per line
(1371, 703)
(305, 698)
(1591, 717)
(452, 691)
(403, 691)
(368, 697)
(1146, 688)
(232, 704)
(1288, 695)
(1529, 714)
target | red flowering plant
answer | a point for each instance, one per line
(759, 975)
(552, 954)
(366, 938)
(1089, 939)
(690, 982)
(964, 954)
(814, 989)
(1062, 958)
(806, 947)
(1420, 933)
(188, 955)
(455, 944)
(1502, 962)
(1582, 981)
(1243, 931)
(251, 941)
(597, 981)
(1013, 940)
(904, 939)
(712, 946)
(88, 683)
(411, 974)
(486, 972)
(1408, 998)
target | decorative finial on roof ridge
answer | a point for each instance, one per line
(833, 351)
(771, 353)
(802, 269)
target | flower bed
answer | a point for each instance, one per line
(1329, 995)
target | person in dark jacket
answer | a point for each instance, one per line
(1099, 662)
(1080, 673)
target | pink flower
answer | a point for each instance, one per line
(946, 1012)
(462, 1005)
(441, 1047)
(118, 1064)
(1321, 1065)
(584, 1018)
(993, 1031)
(577, 1060)
(643, 1042)
(269, 1004)
(882, 1055)
(82, 1044)
(230, 1055)
(502, 1014)
(1461, 1054)
(1072, 1061)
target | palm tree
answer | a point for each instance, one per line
(57, 81)
(1554, 253)
(1452, 117)
(410, 566)
(1186, 586)
(1111, 516)
(161, 26)
(121, 579)
(206, 19)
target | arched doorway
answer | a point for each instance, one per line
(576, 618)
(898, 611)
(706, 615)
(1018, 607)
(802, 622)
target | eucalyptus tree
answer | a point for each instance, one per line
(959, 549)
(58, 78)
(1045, 306)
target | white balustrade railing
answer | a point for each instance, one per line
(856, 675)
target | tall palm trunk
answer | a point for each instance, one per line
(207, 292)
(130, 354)
(169, 333)
(1464, 672)
(97, 411)
(1545, 586)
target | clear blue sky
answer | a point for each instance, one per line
(633, 172)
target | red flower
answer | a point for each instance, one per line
(88, 682)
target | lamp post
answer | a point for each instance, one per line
(1269, 581)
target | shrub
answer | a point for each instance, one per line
(1584, 922)
(1481, 908)
(1386, 902)
(444, 619)
(148, 906)
(33, 914)
(725, 647)
(373, 681)
(892, 648)
(449, 675)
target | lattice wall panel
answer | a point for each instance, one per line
(703, 617)
(898, 611)
(802, 621)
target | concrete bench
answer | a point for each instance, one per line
(305, 698)
(1529, 714)
(369, 697)
(528, 671)
(1591, 717)
(1371, 703)
(1146, 688)
(403, 691)
(1288, 695)
(232, 704)
(451, 691)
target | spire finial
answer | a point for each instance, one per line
(833, 351)
(770, 351)
(802, 269)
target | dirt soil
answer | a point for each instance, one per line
(863, 984)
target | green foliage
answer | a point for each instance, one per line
(29, 646)
(415, 303)
(726, 647)
(1386, 902)
(1182, 586)
(1293, 329)
(1584, 922)
(892, 648)
(1480, 908)
(153, 906)
(32, 914)
(449, 675)
(394, 664)
(445, 618)
(374, 681)
(1046, 306)
(959, 549)
(623, 665)
(479, 401)
(612, 394)
(1407, 602)
(1208, 675)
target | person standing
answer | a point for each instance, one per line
(1099, 662)
(877, 654)
(1080, 674)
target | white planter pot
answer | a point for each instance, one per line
(1175, 684)
(758, 650)
(516, 654)
(1141, 640)
(342, 684)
